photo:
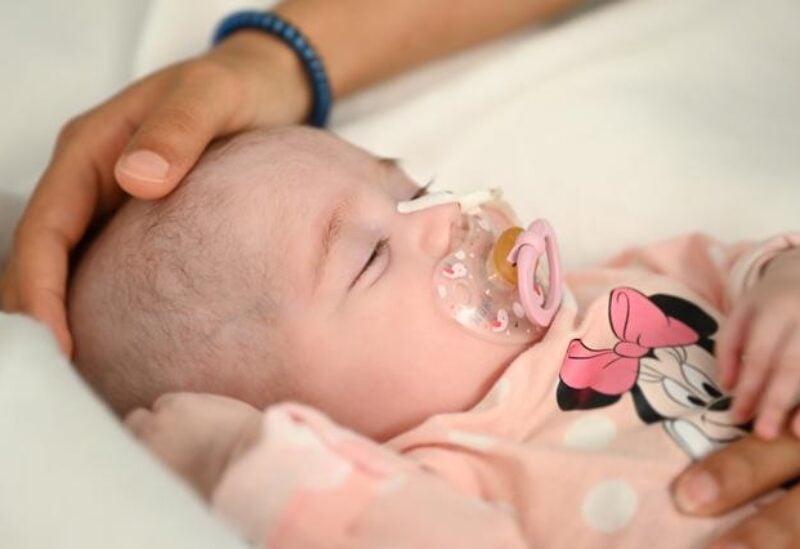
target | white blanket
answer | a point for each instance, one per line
(639, 120)
(69, 475)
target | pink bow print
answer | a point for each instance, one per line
(640, 325)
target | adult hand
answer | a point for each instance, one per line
(764, 327)
(738, 474)
(146, 139)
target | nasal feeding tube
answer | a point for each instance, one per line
(501, 282)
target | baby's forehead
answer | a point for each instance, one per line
(262, 182)
(299, 163)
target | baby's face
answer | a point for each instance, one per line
(363, 339)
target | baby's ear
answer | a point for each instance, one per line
(570, 398)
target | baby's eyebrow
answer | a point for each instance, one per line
(332, 232)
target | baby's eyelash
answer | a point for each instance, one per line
(380, 248)
(422, 191)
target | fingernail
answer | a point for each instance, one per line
(695, 491)
(145, 165)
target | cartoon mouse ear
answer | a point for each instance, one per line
(570, 398)
(687, 312)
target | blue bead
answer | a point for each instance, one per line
(272, 23)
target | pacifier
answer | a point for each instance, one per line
(499, 281)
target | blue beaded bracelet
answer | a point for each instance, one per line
(291, 35)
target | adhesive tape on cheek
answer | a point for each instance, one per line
(469, 203)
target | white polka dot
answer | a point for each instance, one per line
(441, 290)
(460, 255)
(519, 311)
(497, 395)
(471, 440)
(590, 432)
(609, 506)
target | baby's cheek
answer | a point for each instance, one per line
(452, 365)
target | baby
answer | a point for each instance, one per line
(292, 266)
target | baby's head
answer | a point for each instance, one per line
(280, 269)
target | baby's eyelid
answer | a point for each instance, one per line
(380, 249)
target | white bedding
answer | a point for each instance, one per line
(636, 121)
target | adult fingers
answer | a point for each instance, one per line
(41, 295)
(730, 345)
(71, 190)
(77, 184)
(736, 474)
(760, 354)
(202, 105)
(776, 526)
(782, 387)
(52, 224)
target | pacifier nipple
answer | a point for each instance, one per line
(500, 252)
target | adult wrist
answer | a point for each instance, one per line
(277, 83)
(277, 26)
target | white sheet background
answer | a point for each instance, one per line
(636, 121)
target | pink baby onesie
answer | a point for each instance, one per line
(574, 446)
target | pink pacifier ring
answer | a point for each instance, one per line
(539, 238)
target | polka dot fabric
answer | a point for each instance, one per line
(544, 459)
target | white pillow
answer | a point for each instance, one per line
(69, 475)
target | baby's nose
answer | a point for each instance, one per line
(431, 229)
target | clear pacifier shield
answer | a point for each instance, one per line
(469, 289)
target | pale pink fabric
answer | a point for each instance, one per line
(561, 452)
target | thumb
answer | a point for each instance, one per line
(172, 137)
